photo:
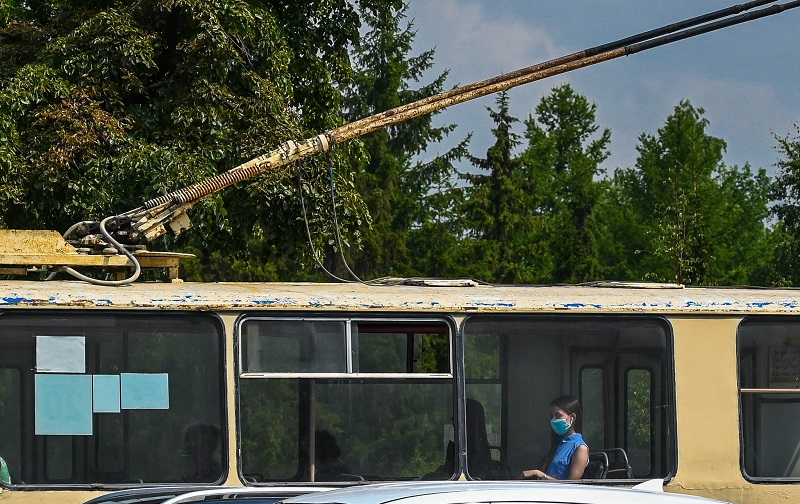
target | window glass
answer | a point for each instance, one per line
(319, 347)
(384, 423)
(393, 348)
(10, 428)
(592, 401)
(614, 365)
(294, 346)
(113, 398)
(482, 356)
(769, 381)
(638, 429)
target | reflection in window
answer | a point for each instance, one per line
(617, 365)
(379, 417)
(108, 445)
(769, 382)
(637, 431)
(320, 347)
(10, 427)
(592, 401)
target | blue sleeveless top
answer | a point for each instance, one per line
(559, 467)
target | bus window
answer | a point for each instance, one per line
(769, 384)
(351, 399)
(619, 367)
(105, 398)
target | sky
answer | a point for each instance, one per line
(746, 76)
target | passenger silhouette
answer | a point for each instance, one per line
(479, 458)
(200, 441)
(327, 466)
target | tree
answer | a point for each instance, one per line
(562, 160)
(494, 200)
(689, 218)
(786, 191)
(396, 188)
(106, 104)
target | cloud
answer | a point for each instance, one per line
(743, 113)
(479, 45)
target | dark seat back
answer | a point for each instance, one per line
(597, 468)
(618, 466)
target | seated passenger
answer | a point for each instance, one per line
(200, 441)
(569, 453)
(327, 466)
(479, 458)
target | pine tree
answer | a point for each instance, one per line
(494, 201)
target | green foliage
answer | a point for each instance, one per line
(493, 199)
(396, 188)
(529, 217)
(786, 191)
(683, 216)
(563, 160)
(104, 105)
(107, 104)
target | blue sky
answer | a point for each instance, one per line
(746, 77)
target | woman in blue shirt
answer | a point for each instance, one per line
(569, 454)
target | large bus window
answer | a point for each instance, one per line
(769, 381)
(618, 367)
(378, 414)
(111, 398)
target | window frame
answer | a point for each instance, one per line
(29, 446)
(349, 319)
(773, 393)
(455, 376)
(669, 425)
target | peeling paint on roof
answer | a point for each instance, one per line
(477, 298)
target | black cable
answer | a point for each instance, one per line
(308, 232)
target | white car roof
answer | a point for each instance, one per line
(458, 492)
(228, 492)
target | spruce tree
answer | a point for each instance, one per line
(562, 159)
(398, 189)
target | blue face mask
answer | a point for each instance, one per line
(560, 426)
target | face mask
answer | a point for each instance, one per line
(560, 426)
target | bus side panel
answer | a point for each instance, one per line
(707, 407)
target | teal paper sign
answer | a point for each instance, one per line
(106, 394)
(63, 405)
(144, 391)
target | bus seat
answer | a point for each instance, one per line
(597, 468)
(618, 466)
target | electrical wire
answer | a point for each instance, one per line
(308, 233)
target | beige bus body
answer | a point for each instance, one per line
(704, 322)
